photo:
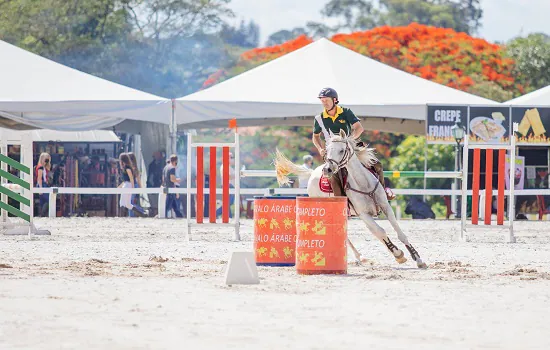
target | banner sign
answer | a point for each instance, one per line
(534, 125)
(441, 119)
(489, 125)
(519, 173)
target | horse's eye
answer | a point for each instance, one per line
(342, 151)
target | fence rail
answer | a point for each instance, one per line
(390, 173)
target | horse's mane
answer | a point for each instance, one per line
(368, 157)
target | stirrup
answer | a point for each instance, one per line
(389, 193)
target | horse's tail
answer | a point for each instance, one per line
(284, 166)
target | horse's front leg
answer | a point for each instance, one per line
(388, 211)
(382, 236)
(355, 251)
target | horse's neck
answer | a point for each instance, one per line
(357, 171)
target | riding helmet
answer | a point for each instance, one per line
(328, 92)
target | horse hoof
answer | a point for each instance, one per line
(422, 265)
(401, 260)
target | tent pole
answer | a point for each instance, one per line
(173, 129)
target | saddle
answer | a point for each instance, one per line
(324, 186)
(324, 183)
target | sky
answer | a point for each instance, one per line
(502, 19)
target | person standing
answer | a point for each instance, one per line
(171, 181)
(42, 173)
(137, 181)
(308, 164)
(128, 182)
(154, 179)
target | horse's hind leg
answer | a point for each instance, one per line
(387, 209)
(382, 236)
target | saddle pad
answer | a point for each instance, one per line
(324, 185)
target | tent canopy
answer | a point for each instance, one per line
(40, 93)
(284, 91)
(540, 97)
(45, 135)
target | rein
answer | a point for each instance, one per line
(345, 159)
(348, 154)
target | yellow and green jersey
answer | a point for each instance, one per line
(342, 120)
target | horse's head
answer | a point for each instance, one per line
(339, 150)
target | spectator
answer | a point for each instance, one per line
(154, 179)
(128, 182)
(154, 171)
(42, 180)
(308, 164)
(171, 181)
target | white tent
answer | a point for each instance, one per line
(540, 97)
(41, 93)
(45, 135)
(284, 91)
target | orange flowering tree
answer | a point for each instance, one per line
(441, 55)
(438, 54)
(255, 57)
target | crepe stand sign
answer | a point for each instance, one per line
(440, 121)
(489, 125)
(534, 124)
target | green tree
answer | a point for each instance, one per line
(410, 156)
(489, 89)
(532, 56)
(285, 35)
(168, 49)
(246, 35)
(462, 16)
(355, 15)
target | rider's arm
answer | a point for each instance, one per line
(318, 143)
(356, 130)
(356, 127)
(316, 138)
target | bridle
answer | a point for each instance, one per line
(348, 153)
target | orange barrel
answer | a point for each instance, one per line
(275, 231)
(321, 226)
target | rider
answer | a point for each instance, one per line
(336, 118)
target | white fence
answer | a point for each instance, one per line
(54, 191)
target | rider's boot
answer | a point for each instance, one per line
(338, 190)
(336, 184)
(380, 172)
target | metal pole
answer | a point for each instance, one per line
(173, 129)
(188, 184)
(454, 198)
(425, 167)
(237, 236)
(464, 197)
(4, 151)
(512, 168)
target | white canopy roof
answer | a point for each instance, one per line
(286, 88)
(540, 97)
(44, 135)
(39, 92)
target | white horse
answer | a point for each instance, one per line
(366, 194)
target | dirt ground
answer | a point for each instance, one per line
(133, 283)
